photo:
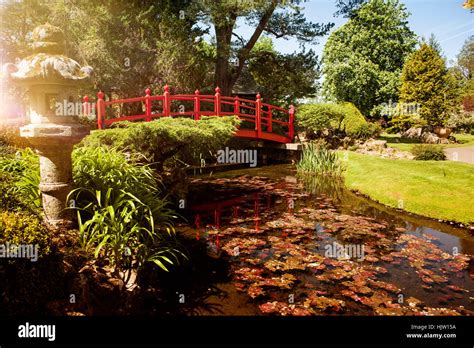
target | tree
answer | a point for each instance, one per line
(283, 78)
(281, 19)
(426, 81)
(362, 60)
(130, 45)
(465, 69)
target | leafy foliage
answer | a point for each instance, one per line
(334, 119)
(167, 141)
(122, 215)
(363, 59)
(462, 121)
(427, 81)
(129, 44)
(428, 152)
(23, 168)
(283, 78)
(403, 122)
(318, 159)
(353, 121)
(314, 119)
(22, 228)
(280, 19)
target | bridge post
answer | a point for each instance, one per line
(86, 106)
(236, 105)
(197, 105)
(217, 102)
(147, 105)
(166, 101)
(258, 114)
(291, 129)
(100, 110)
(270, 120)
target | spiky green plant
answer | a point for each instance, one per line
(318, 159)
(121, 213)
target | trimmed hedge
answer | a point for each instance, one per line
(314, 119)
(339, 119)
(175, 139)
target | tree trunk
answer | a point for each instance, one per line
(223, 75)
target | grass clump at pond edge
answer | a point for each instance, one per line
(440, 190)
(317, 159)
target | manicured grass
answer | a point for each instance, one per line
(437, 189)
(394, 140)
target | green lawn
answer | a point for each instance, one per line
(394, 140)
(441, 190)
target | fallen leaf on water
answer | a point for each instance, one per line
(456, 288)
(255, 291)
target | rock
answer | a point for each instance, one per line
(429, 138)
(443, 141)
(413, 133)
(117, 283)
(379, 148)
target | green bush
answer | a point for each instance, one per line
(167, 140)
(462, 122)
(354, 122)
(342, 119)
(401, 123)
(314, 119)
(320, 160)
(27, 286)
(21, 177)
(368, 130)
(428, 152)
(20, 228)
(122, 215)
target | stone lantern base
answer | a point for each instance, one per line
(54, 143)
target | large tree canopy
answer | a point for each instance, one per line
(363, 59)
(280, 19)
(130, 45)
(283, 77)
(148, 43)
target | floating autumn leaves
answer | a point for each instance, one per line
(286, 256)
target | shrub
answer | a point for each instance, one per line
(167, 140)
(428, 152)
(403, 122)
(122, 216)
(344, 119)
(353, 122)
(21, 171)
(318, 159)
(462, 121)
(20, 228)
(368, 130)
(314, 119)
(27, 286)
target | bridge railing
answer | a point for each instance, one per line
(261, 115)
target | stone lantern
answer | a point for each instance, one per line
(51, 81)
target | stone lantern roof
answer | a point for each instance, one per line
(49, 64)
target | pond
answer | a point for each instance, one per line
(268, 241)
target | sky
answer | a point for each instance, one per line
(446, 19)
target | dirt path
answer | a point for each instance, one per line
(461, 154)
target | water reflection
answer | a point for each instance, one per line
(277, 220)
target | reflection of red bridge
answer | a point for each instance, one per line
(216, 208)
(269, 122)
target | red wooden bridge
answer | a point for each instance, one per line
(263, 121)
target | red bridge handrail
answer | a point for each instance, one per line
(262, 113)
